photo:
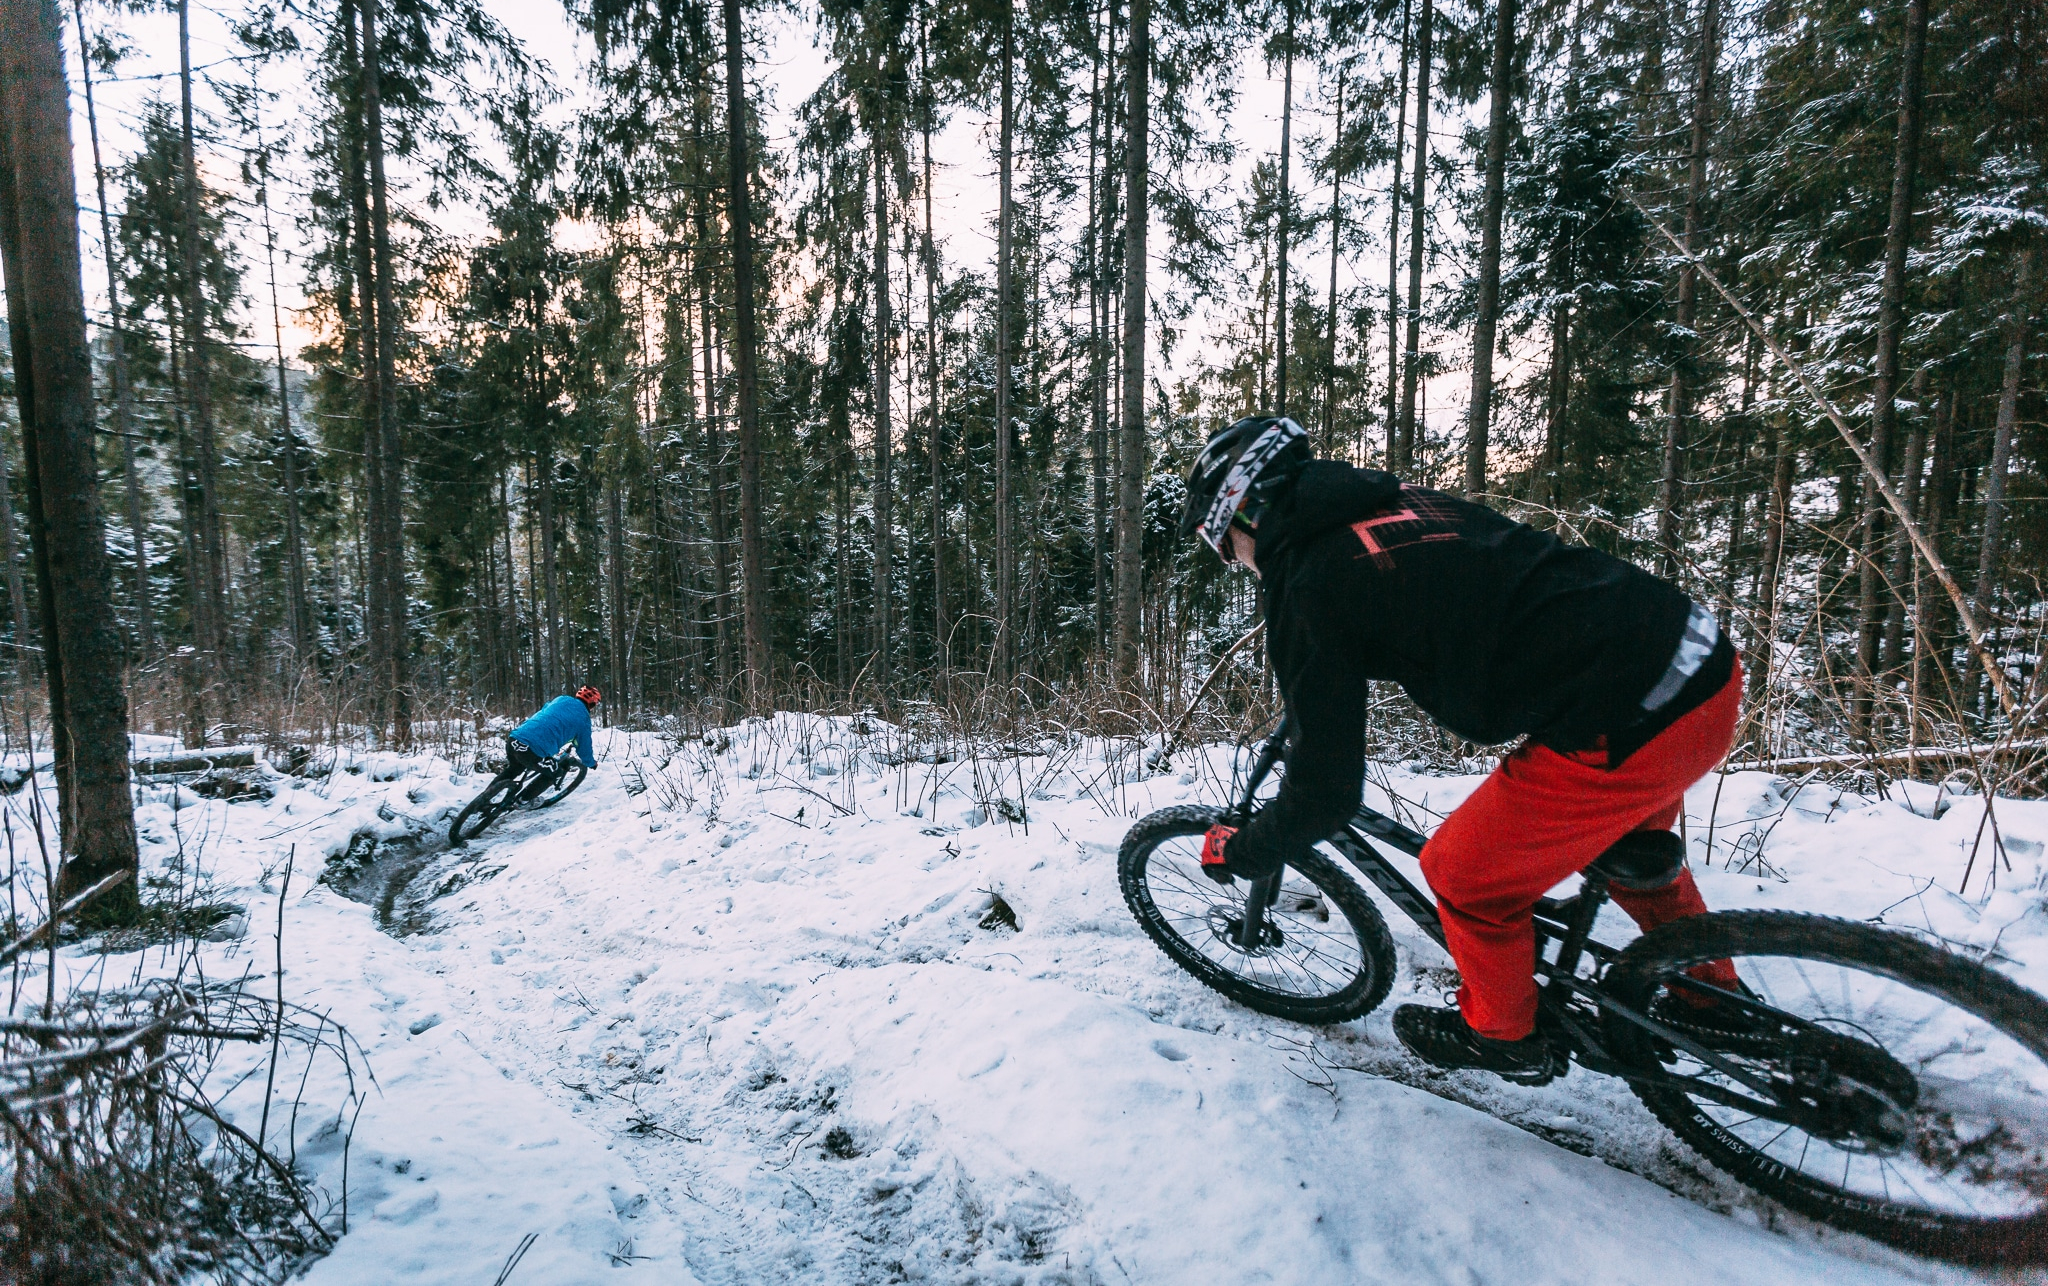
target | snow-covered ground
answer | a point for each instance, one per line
(729, 1014)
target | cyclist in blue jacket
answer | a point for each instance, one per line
(561, 721)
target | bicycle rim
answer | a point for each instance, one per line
(481, 811)
(1928, 1070)
(1324, 956)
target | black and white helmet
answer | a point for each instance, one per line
(1238, 474)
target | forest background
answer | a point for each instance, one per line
(437, 373)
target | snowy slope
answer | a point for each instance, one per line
(745, 1024)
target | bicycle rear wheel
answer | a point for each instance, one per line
(483, 810)
(1326, 957)
(1919, 1079)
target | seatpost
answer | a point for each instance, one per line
(1585, 910)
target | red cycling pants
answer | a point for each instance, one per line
(1542, 816)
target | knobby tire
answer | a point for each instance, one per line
(1360, 994)
(1860, 950)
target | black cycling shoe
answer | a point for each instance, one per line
(1443, 1037)
(1719, 1025)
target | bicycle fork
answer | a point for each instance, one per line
(1260, 899)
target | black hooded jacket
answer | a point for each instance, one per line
(1495, 629)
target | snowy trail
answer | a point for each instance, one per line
(777, 1046)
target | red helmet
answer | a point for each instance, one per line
(588, 695)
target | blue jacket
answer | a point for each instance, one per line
(559, 722)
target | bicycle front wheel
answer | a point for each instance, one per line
(1910, 1084)
(482, 811)
(1325, 956)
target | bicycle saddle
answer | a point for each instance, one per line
(1641, 860)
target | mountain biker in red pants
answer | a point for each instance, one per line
(1624, 691)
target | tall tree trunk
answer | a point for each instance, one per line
(211, 574)
(1336, 253)
(1549, 487)
(23, 660)
(1394, 256)
(1892, 656)
(376, 580)
(1891, 312)
(551, 603)
(615, 540)
(117, 353)
(39, 258)
(297, 611)
(940, 648)
(740, 221)
(1764, 637)
(884, 440)
(1006, 554)
(1932, 614)
(1991, 552)
(391, 532)
(1280, 327)
(1418, 225)
(714, 438)
(1137, 212)
(1676, 395)
(1479, 413)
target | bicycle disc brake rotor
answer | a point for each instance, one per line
(1227, 925)
(1853, 1094)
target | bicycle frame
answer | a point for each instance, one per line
(1569, 1003)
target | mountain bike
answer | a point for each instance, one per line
(1870, 1079)
(542, 786)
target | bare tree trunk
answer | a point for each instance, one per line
(1411, 370)
(84, 665)
(714, 439)
(1764, 637)
(1931, 615)
(1884, 384)
(211, 628)
(1479, 412)
(391, 532)
(117, 353)
(884, 441)
(1336, 226)
(376, 578)
(940, 648)
(297, 611)
(1286, 221)
(24, 666)
(740, 220)
(1137, 212)
(1394, 256)
(1676, 403)
(1991, 553)
(1006, 554)
(544, 485)
(1098, 372)
(1901, 558)
(615, 540)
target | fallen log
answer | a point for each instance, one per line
(1915, 757)
(197, 761)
